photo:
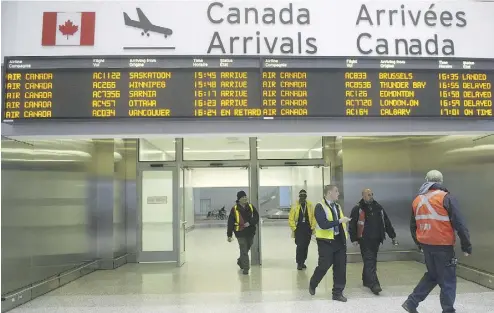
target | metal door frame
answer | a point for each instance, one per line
(157, 256)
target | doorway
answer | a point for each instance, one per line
(211, 195)
(157, 199)
(278, 191)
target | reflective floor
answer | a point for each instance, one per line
(211, 282)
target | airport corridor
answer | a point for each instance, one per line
(210, 281)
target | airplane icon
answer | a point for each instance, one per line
(146, 26)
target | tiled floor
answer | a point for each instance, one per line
(210, 282)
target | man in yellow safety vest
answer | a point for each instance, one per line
(331, 236)
(302, 223)
(243, 220)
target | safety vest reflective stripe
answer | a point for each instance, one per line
(360, 223)
(237, 217)
(433, 215)
(433, 223)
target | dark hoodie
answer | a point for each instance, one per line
(377, 223)
(451, 205)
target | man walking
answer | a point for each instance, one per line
(435, 217)
(243, 220)
(368, 228)
(331, 243)
(302, 223)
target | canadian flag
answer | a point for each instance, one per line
(68, 29)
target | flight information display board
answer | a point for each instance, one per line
(222, 87)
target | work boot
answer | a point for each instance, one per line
(407, 305)
(340, 298)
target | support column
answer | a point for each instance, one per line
(178, 216)
(255, 252)
(102, 183)
(130, 155)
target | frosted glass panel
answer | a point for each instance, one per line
(216, 148)
(157, 211)
(156, 149)
(289, 147)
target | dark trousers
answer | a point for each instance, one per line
(244, 244)
(368, 250)
(441, 270)
(302, 240)
(331, 253)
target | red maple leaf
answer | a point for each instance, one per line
(68, 29)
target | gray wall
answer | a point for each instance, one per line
(467, 163)
(64, 203)
(394, 167)
(47, 227)
(384, 165)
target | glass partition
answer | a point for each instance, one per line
(289, 147)
(157, 149)
(214, 191)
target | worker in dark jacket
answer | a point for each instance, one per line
(368, 229)
(243, 220)
(435, 218)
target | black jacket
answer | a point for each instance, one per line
(382, 228)
(457, 221)
(248, 216)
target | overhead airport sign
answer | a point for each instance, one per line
(289, 28)
(246, 87)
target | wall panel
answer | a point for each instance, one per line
(394, 167)
(384, 165)
(46, 220)
(467, 163)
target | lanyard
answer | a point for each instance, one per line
(302, 209)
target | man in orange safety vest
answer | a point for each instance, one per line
(435, 218)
